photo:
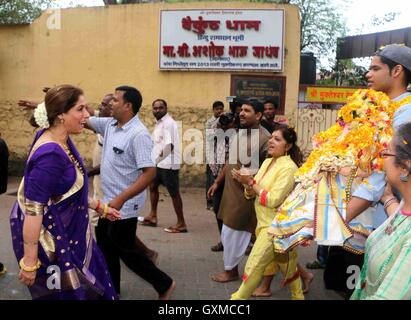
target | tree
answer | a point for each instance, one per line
(344, 73)
(21, 11)
(321, 24)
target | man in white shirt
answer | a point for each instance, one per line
(218, 110)
(166, 154)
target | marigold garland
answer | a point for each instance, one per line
(363, 128)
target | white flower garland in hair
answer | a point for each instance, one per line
(40, 115)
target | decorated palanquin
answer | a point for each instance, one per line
(343, 157)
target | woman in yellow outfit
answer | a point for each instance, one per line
(272, 184)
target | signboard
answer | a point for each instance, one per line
(261, 88)
(222, 39)
(329, 94)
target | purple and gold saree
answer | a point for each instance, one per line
(72, 266)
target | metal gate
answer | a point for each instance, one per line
(310, 121)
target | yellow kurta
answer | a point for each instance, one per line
(278, 182)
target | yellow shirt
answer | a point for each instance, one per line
(278, 182)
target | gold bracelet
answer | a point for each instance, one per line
(247, 186)
(27, 268)
(249, 192)
(105, 211)
(98, 206)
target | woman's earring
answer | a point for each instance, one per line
(61, 120)
(404, 177)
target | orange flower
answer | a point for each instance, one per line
(363, 128)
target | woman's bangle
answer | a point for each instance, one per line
(249, 190)
(389, 202)
(247, 186)
(27, 268)
(98, 205)
(390, 197)
(105, 211)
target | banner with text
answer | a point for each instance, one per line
(329, 94)
(222, 39)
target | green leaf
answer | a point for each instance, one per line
(21, 11)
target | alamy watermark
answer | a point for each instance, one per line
(203, 147)
(353, 280)
(54, 19)
(54, 281)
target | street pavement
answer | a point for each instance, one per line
(186, 257)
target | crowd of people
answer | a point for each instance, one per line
(54, 221)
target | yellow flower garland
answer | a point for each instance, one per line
(363, 128)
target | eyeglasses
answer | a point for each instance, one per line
(385, 153)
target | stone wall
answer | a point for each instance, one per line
(18, 134)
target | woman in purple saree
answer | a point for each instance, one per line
(51, 234)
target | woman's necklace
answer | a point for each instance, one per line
(73, 159)
(380, 275)
(58, 138)
(391, 228)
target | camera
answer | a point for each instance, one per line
(235, 103)
(226, 118)
(235, 108)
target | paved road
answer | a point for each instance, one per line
(185, 257)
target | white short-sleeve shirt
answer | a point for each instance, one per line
(166, 132)
(126, 152)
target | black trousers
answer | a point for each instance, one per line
(117, 241)
(218, 195)
(322, 254)
(335, 273)
(209, 182)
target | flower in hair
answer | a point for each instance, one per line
(40, 116)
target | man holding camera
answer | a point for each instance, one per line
(211, 125)
(220, 148)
